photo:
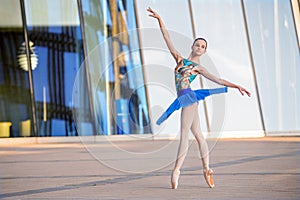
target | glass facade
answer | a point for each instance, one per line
(62, 36)
(115, 68)
(276, 61)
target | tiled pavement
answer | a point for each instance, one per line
(261, 168)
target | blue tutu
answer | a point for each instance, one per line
(186, 98)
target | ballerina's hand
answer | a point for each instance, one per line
(243, 90)
(153, 13)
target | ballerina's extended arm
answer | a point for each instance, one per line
(201, 70)
(166, 35)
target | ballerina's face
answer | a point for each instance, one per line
(199, 47)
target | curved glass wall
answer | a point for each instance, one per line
(277, 62)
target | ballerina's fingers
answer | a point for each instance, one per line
(242, 91)
(248, 93)
(152, 13)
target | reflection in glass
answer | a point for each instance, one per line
(22, 57)
(120, 103)
(53, 26)
(276, 61)
(15, 104)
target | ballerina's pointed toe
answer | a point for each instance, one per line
(208, 175)
(174, 179)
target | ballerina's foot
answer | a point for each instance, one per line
(174, 179)
(208, 175)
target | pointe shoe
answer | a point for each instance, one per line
(174, 179)
(208, 175)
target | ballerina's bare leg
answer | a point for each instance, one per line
(187, 115)
(190, 121)
(202, 144)
(203, 148)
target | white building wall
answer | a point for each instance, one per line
(222, 24)
(158, 62)
(224, 28)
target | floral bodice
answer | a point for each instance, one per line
(183, 74)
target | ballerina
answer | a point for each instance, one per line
(186, 71)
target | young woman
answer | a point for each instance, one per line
(185, 72)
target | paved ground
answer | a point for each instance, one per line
(266, 168)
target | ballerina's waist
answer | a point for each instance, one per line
(209, 91)
(184, 91)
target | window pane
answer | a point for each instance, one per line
(277, 62)
(55, 36)
(15, 103)
(115, 68)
